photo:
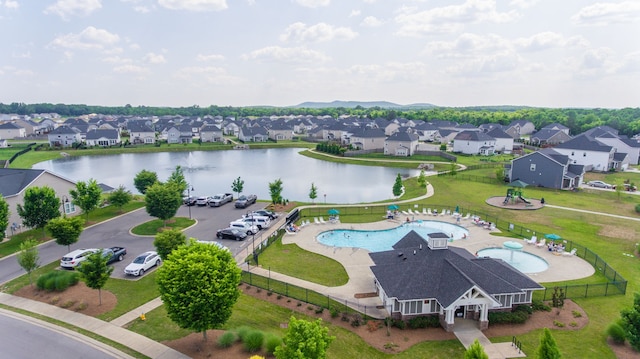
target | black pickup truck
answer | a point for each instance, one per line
(114, 254)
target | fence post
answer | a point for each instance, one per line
(586, 290)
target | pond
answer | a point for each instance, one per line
(212, 172)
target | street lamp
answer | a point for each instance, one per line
(325, 198)
(253, 238)
(189, 189)
(65, 200)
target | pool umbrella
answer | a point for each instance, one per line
(552, 236)
(457, 209)
(519, 184)
(393, 207)
(333, 212)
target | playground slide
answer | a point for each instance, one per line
(506, 199)
(524, 200)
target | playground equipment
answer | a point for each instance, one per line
(513, 195)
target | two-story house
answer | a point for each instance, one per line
(474, 143)
(401, 144)
(64, 136)
(547, 168)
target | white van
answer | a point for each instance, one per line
(261, 221)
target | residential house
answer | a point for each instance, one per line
(401, 144)
(30, 126)
(140, 132)
(558, 127)
(549, 136)
(103, 138)
(547, 168)
(421, 277)
(589, 152)
(3, 143)
(64, 136)
(15, 181)
(504, 142)
(280, 131)
(609, 136)
(9, 130)
(474, 143)
(231, 128)
(426, 132)
(253, 134)
(520, 128)
(368, 139)
(211, 133)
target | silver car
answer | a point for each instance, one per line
(599, 184)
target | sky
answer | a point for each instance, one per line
(454, 53)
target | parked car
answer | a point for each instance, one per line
(214, 243)
(142, 263)
(246, 200)
(220, 199)
(260, 221)
(203, 201)
(231, 233)
(114, 254)
(599, 184)
(630, 187)
(75, 258)
(189, 201)
(244, 226)
(265, 213)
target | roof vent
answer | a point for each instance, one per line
(414, 252)
(400, 254)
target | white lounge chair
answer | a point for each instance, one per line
(410, 212)
(542, 243)
(405, 213)
(467, 216)
(533, 240)
(316, 220)
(424, 211)
(443, 212)
(322, 221)
(570, 254)
(429, 212)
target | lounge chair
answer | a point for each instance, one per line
(410, 212)
(533, 240)
(570, 254)
(316, 220)
(542, 243)
(467, 216)
(443, 212)
(322, 221)
(405, 213)
(424, 211)
(289, 232)
(429, 212)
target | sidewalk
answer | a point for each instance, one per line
(132, 340)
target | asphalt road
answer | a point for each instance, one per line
(115, 232)
(24, 338)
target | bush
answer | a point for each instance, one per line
(357, 320)
(516, 317)
(399, 323)
(430, 321)
(227, 339)
(57, 280)
(253, 341)
(524, 308)
(638, 208)
(243, 332)
(616, 333)
(539, 305)
(271, 343)
(334, 312)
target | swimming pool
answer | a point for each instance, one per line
(524, 262)
(383, 240)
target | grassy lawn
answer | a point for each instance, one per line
(155, 226)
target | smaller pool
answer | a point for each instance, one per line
(524, 262)
(383, 240)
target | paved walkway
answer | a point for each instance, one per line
(467, 332)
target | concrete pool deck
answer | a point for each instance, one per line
(356, 261)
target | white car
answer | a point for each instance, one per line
(244, 226)
(143, 263)
(74, 258)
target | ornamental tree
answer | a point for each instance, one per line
(275, 190)
(40, 206)
(176, 179)
(162, 201)
(86, 195)
(548, 348)
(313, 192)
(397, 186)
(66, 230)
(475, 351)
(144, 179)
(4, 215)
(28, 257)
(237, 186)
(198, 285)
(120, 197)
(95, 272)
(304, 339)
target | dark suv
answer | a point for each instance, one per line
(189, 201)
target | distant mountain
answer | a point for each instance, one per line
(365, 104)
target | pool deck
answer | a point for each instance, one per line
(356, 261)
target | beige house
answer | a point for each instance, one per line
(401, 144)
(368, 139)
(15, 181)
(11, 130)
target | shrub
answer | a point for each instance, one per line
(68, 304)
(82, 306)
(334, 312)
(227, 339)
(373, 325)
(399, 323)
(356, 320)
(539, 305)
(345, 317)
(319, 310)
(430, 321)
(279, 296)
(57, 280)
(516, 317)
(271, 343)
(524, 308)
(616, 333)
(576, 314)
(638, 208)
(558, 324)
(253, 341)
(242, 332)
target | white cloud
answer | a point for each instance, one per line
(601, 14)
(10, 4)
(369, 1)
(287, 55)
(390, 72)
(546, 40)
(467, 45)
(451, 18)
(629, 63)
(117, 60)
(371, 21)
(210, 57)
(194, 5)
(354, 13)
(67, 8)
(313, 3)
(300, 32)
(486, 65)
(152, 58)
(131, 70)
(523, 4)
(207, 74)
(90, 38)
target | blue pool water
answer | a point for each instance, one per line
(383, 240)
(522, 261)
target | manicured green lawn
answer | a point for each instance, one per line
(153, 227)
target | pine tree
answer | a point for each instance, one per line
(548, 348)
(475, 351)
(397, 186)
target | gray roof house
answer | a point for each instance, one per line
(558, 126)
(103, 137)
(211, 133)
(253, 134)
(368, 139)
(140, 132)
(401, 144)
(589, 152)
(547, 168)
(427, 277)
(549, 136)
(474, 143)
(64, 136)
(11, 130)
(504, 142)
(280, 131)
(520, 127)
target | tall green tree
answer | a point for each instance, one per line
(304, 339)
(237, 186)
(86, 195)
(28, 257)
(198, 285)
(397, 186)
(275, 190)
(548, 348)
(4, 215)
(66, 230)
(422, 179)
(475, 351)
(631, 322)
(162, 201)
(40, 206)
(120, 197)
(95, 272)
(167, 241)
(177, 180)
(313, 192)
(144, 179)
